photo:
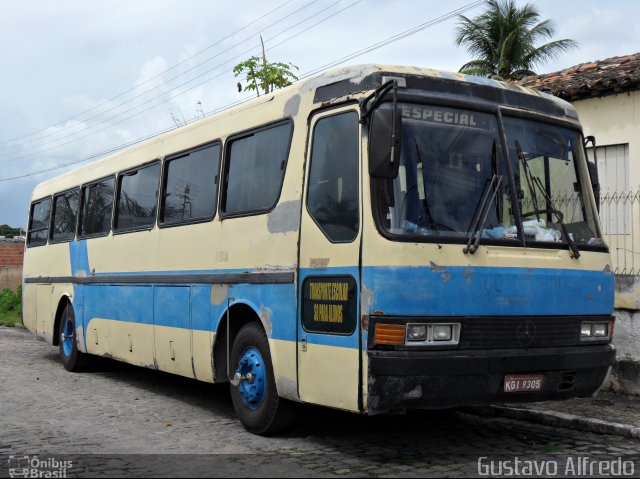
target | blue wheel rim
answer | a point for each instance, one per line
(66, 337)
(252, 392)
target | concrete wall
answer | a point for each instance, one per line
(626, 374)
(11, 258)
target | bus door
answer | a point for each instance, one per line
(328, 326)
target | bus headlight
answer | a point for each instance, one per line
(436, 334)
(416, 332)
(442, 332)
(593, 330)
(587, 330)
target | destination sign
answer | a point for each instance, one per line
(446, 116)
(330, 304)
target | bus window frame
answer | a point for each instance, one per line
(163, 185)
(51, 221)
(224, 183)
(80, 218)
(314, 118)
(116, 198)
(29, 230)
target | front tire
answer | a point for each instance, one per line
(255, 400)
(72, 359)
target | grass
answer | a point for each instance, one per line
(551, 447)
(10, 308)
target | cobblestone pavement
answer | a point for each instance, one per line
(119, 421)
(607, 406)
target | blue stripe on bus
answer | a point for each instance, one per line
(487, 291)
(188, 306)
(79, 258)
(401, 291)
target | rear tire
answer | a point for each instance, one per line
(72, 359)
(257, 404)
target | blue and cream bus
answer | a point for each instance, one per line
(375, 238)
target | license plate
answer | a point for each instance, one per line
(520, 383)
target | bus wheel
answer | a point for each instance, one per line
(72, 359)
(253, 388)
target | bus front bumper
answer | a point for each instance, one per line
(445, 379)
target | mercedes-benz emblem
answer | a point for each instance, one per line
(526, 333)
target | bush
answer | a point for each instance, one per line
(10, 307)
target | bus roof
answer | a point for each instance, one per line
(351, 82)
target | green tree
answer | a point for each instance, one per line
(505, 39)
(264, 76)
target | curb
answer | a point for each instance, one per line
(558, 419)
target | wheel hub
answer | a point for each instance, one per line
(252, 378)
(66, 337)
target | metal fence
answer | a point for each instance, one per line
(620, 220)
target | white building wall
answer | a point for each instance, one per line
(615, 120)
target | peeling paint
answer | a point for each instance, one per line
(219, 293)
(287, 388)
(437, 269)
(607, 269)
(292, 106)
(446, 277)
(354, 74)
(414, 394)
(265, 316)
(366, 299)
(80, 339)
(364, 322)
(319, 262)
(285, 218)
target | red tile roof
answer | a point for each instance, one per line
(589, 80)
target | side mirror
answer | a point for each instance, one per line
(595, 183)
(593, 169)
(384, 143)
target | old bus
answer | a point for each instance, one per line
(375, 238)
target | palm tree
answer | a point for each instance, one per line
(503, 40)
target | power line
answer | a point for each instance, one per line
(375, 46)
(90, 130)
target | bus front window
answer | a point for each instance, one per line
(449, 158)
(551, 178)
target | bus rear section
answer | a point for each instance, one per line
(484, 275)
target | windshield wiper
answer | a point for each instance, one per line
(425, 200)
(480, 218)
(534, 182)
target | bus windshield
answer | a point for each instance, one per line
(546, 161)
(449, 158)
(452, 174)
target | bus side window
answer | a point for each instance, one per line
(65, 214)
(254, 170)
(333, 194)
(39, 222)
(190, 186)
(97, 207)
(137, 198)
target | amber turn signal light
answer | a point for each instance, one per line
(390, 334)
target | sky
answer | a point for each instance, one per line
(83, 78)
